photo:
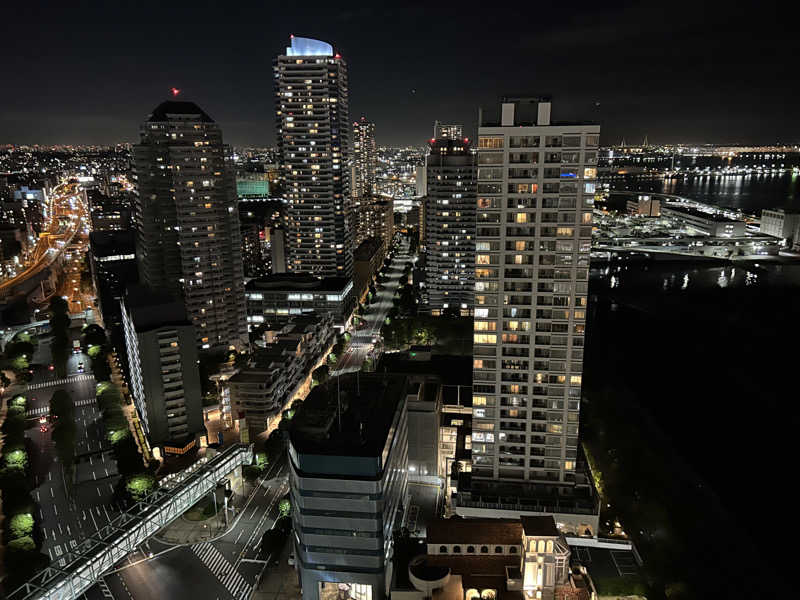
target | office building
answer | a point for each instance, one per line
(187, 221)
(644, 205)
(162, 360)
(112, 260)
(109, 213)
(536, 181)
(313, 125)
(348, 451)
(444, 131)
(780, 223)
(275, 299)
(450, 227)
(699, 221)
(365, 159)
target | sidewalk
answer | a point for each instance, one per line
(279, 582)
(185, 531)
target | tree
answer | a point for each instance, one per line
(284, 507)
(61, 405)
(320, 375)
(272, 541)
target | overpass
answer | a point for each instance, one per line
(80, 568)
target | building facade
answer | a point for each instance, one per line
(348, 483)
(276, 299)
(535, 192)
(445, 131)
(313, 125)
(365, 158)
(187, 221)
(162, 360)
(374, 219)
(450, 227)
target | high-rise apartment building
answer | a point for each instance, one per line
(313, 126)
(450, 227)
(444, 131)
(536, 183)
(187, 221)
(365, 158)
(162, 359)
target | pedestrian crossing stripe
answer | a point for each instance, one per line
(230, 578)
(45, 410)
(62, 381)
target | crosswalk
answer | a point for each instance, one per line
(222, 570)
(62, 381)
(45, 410)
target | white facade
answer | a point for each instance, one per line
(536, 185)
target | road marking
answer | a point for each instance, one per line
(52, 495)
(55, 508)
(219, 566)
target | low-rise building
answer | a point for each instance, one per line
(644, 205)
(348, 479)
(780, 223)
(497, 559)
(367, 261)
(275, 299)
(164, 377)
(112, 260)
(264, 388)
(713, 224)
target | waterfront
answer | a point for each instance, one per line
(703, 351)
(750, 193)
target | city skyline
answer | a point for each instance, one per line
(639, 71)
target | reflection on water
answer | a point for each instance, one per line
(751, 193)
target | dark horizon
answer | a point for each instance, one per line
(690, 73)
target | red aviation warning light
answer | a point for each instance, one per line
(175, 91)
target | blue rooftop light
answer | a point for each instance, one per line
(308, 47)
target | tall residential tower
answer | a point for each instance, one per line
(365, 158)
(536, 181)
(187, 221)
(450, 227)
(313, 128)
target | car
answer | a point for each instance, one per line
(290, 560)
(80, 367)
(51, 367)
(42, 420)
(43, 428)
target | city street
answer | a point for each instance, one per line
(224, 568)
(65, 519)
(361, 344)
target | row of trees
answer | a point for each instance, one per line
(21, 533)
(62, 417)
(59, 329)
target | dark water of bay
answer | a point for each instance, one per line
(710, 353)
(750, 193)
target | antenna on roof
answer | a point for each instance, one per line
(175, 91)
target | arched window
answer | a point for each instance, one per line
(488, 595)
(484, 549)
(470, 549)
(513, 549)
(549, 546)
(442, 549)
(456, 549)
(498, 549)
(472, 594)
(541, 546)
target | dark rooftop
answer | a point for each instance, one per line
(297, 281)
(369, 404)
(178, 108)
(539, 526)
(151, 309)
(689, 210)
(110, 243)
(490, 532)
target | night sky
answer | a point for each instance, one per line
(79, 73)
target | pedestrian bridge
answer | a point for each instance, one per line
(82, 566)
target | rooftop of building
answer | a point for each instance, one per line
(367, 404)
(525, 112)
(494, 532)
(151, 309)
(457, 395)
(301, 46)
(180, 109)
(690, 210)
(538, 526)
(297, 281)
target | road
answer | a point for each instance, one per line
(362, 344)
(66, 518)
(223, 569)
(68, 216)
